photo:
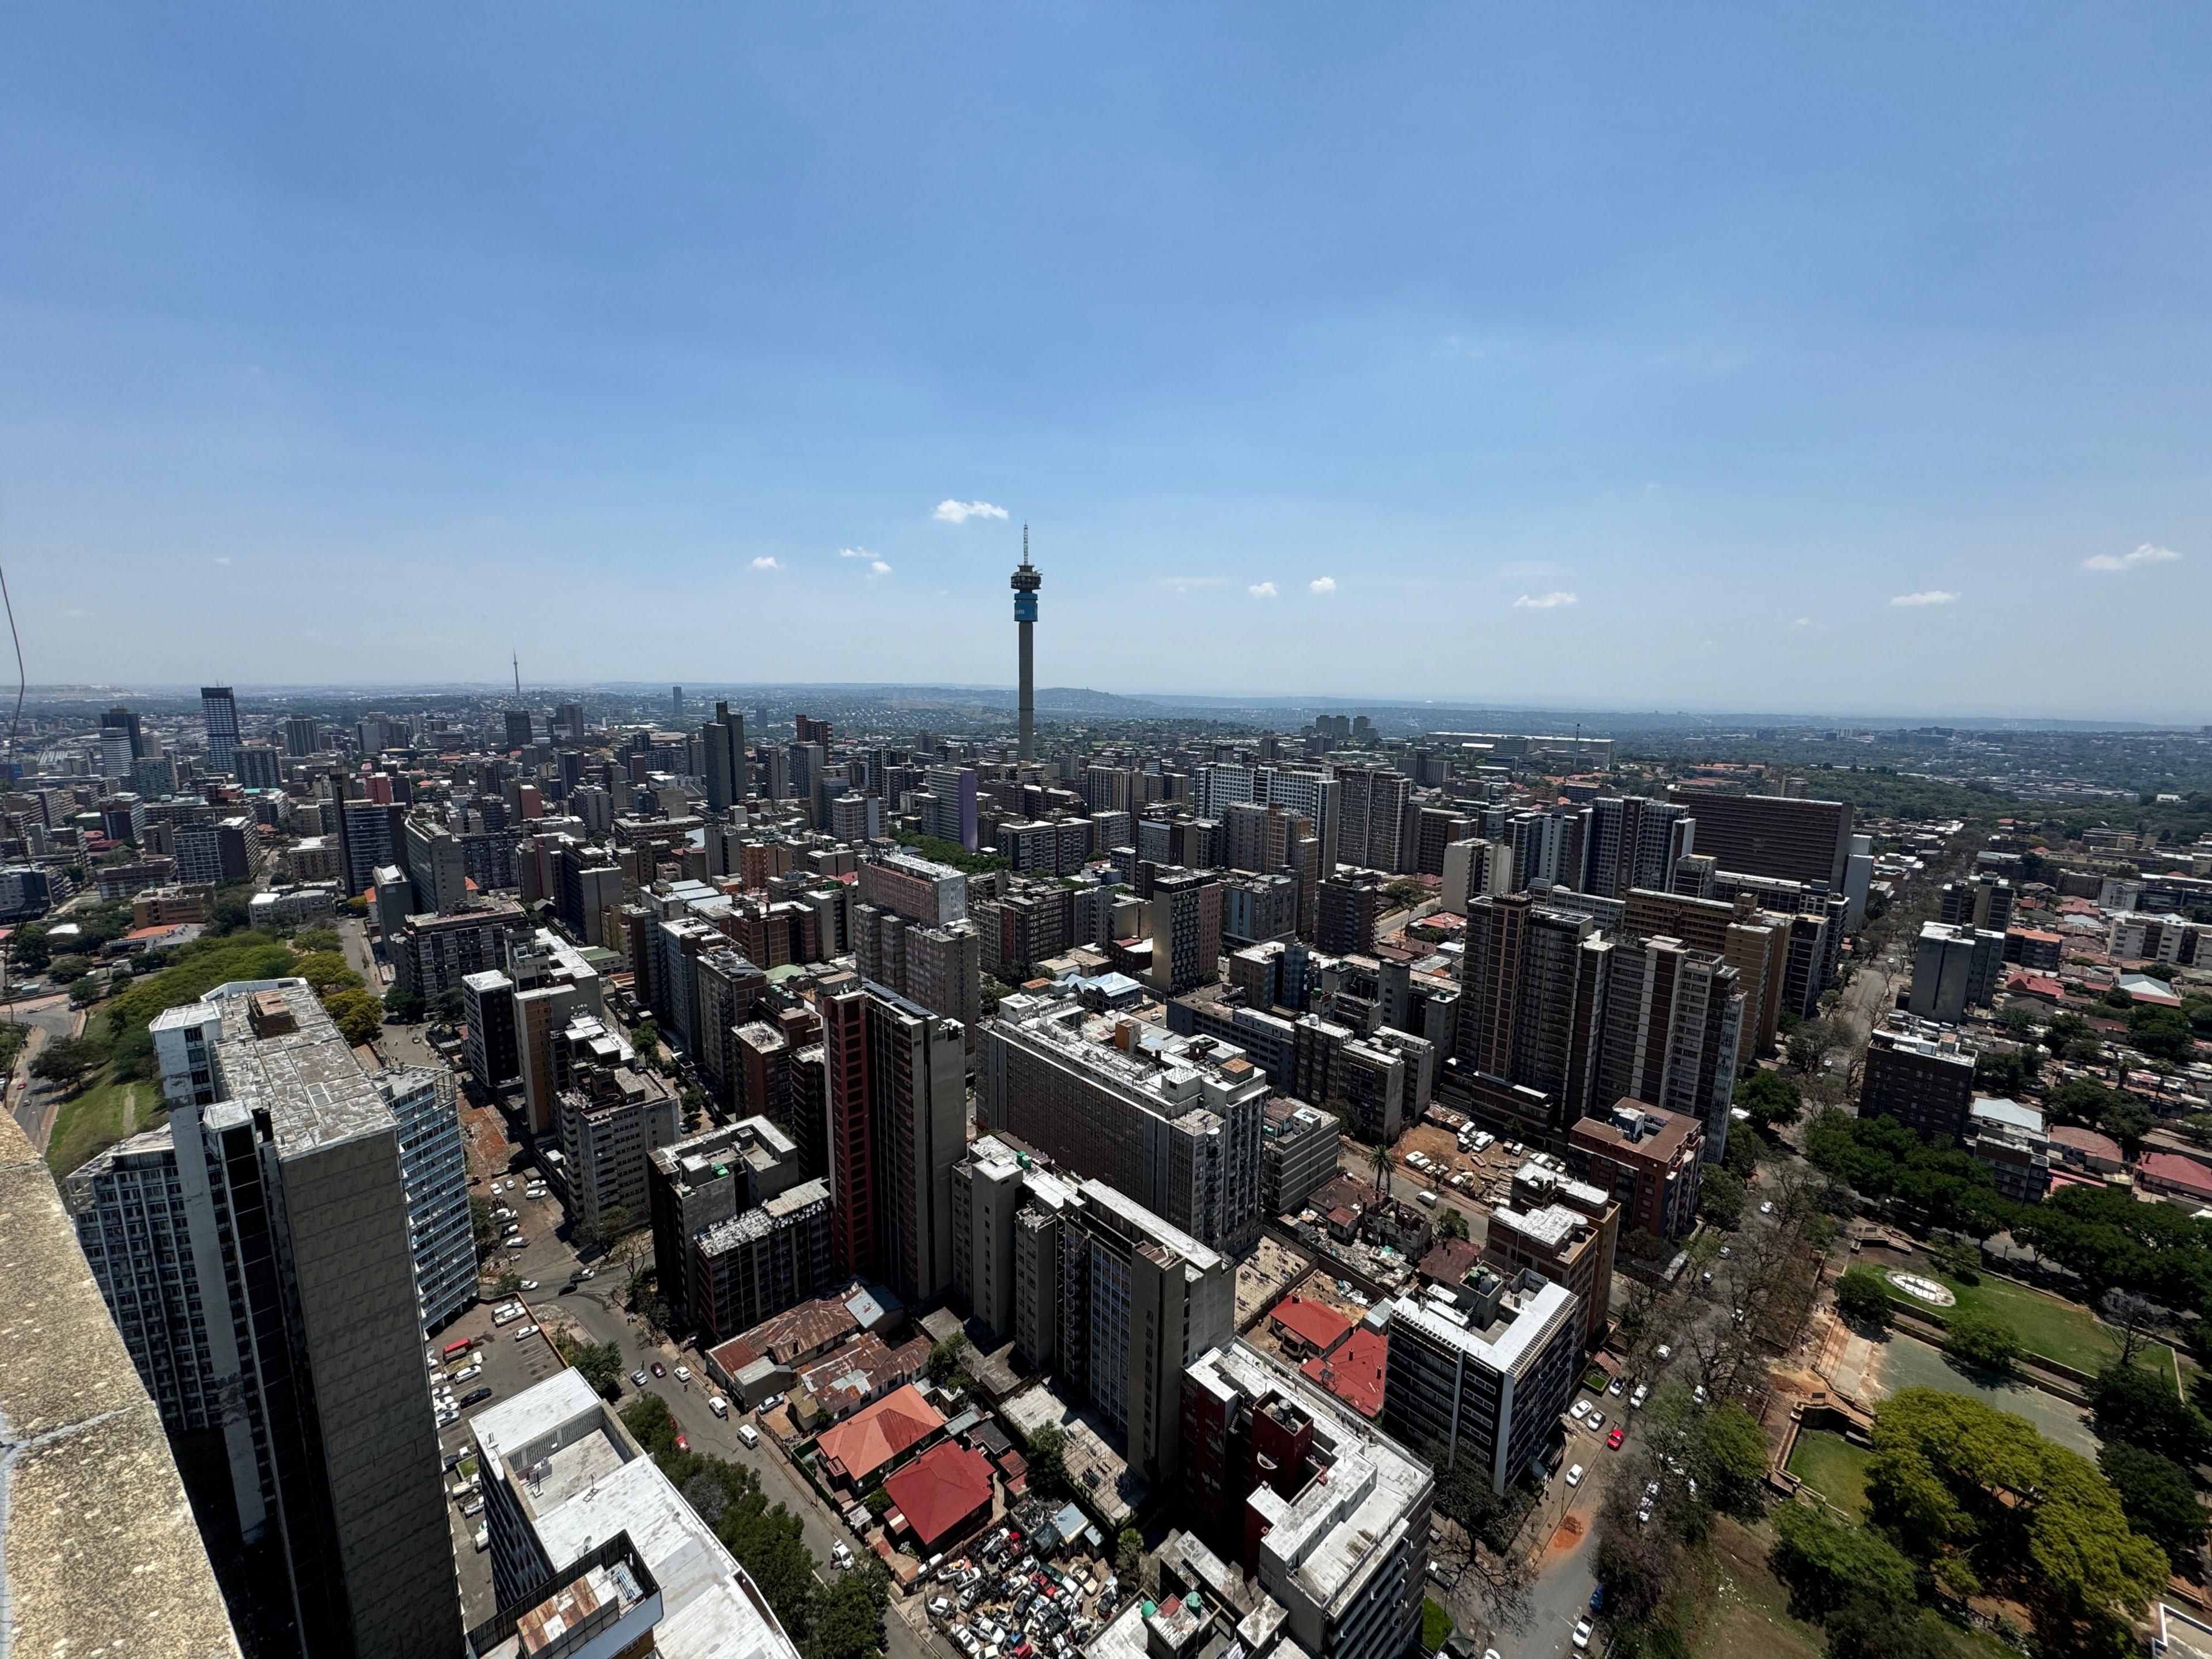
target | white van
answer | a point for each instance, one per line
(719, 1406)
(749, 1434)
(1426, 1197)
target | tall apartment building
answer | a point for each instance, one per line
(1532, 1003)
(219, 709)
(434, 954)
(1365, 1074)
(1798, 839)
(1981, 901)
(1566, 1229)
(1326, 1519)
(1373, 803)
(260, 1253)
(1173, 1122)
(1652, 1163)
(594, 1553)
(1182, 917)
(704, 1180)
(722, 759)
(1297, 1152)
(370, 837)
(941, 967)
(609, 1119)
(1674, 1024)
(1925, 1083)
(1634, 841)
(1547, 845)
(913, 887)
(1350, 906)
(436, 869)
(487, 1011)
(897, 1124)
(1257, 907)
(1432, 829)
(947, 804)
(1474, 868)
(227, 850)
(1954, 968)
(1481, 1387)
(1097, 1288)
(1755, 943)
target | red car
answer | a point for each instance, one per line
(659, 1370)
(682, 1445)
(1612, 1440)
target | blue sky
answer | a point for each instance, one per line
(1619, 356)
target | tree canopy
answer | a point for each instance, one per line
(2137, 1404)
(1824, 1562)
(1882, 1158)
(1863, 1297)
(2160, 1502)
(1771, 1099)
(2111, 1240)
(1981, 1338)
(1953, 1477)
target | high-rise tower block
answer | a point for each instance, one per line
(1026, 581)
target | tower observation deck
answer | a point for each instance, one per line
(1027, 579)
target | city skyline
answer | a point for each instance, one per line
(1459, 340)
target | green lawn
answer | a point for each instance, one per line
(104, 1114)
(2064, 1331)
(1834, 1467)
(1436, 1626)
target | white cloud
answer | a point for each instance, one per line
(855, 553)
(1544, 601)
(1933, 596)
(1802, 621)
(952, 512)
(1322, 585)
(1262, 589)
(767, 561)
(878, 567)
(222, 561)
(2146, 553)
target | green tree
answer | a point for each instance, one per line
(480, 1225)
(1980, 1339)
(405, 1006)
(1824, 1562)
(326, 971)
(2127, 1120)
(356, 1014)
(950, 1356)
(1048, 1463)
(2137, 1405)
(1450, 1223)
(850, 1624)
(85, 992)
(1128, 1554)
(316, 939)
(645, 1040)
(1731, 1448)
(1956, 1481)
(1771, 1099)
(1720, 1199)
(2065, 1031)
(66, 1059)
(2162, 1033)
(1880, 1627)
(2159, 1501)
(509, 1283)
(1862, 1298)
(67, 970)
(231, 912)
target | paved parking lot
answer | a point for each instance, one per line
(510, 1365)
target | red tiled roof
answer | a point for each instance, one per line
(2036, 984)
(941, 1492)
(2172, 1169)
(1447, 1264)
(1354, 1372)
(1315, 1323)
(874, 1435)
(2086, 1140)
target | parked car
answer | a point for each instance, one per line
(1698, 1394)
(529, 1284)
(683, 1444)
(719, 1406)
(475, 1396)
(683, 1373)
(474, 1368)
(1617, 1385)
(473, 1508)
(1574, 1474)
(1643, 1392)
(521, 1330)
(749, 1434)
(1581, 1633)
(1613, 1441)
(1596, 1421)
(659, 1370)
(483, 1538)
(1579, 1410)
(637, 1377)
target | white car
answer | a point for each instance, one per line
(522, 1331)
(1643, 1513)
(1597, 1422)
(1579, 1410)
(719, 1406)
(1698, 1394)
(750, 1435)
(518, 1243)
(466, 1372)
(683, 1373)
(529, 1284)
(1643, 1392)
(473, 1508)
(1617, 1385)
(1581, 1633)
(1767, 1208)
(1666, 1353)
(483, 1538)
(1574, 1474)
